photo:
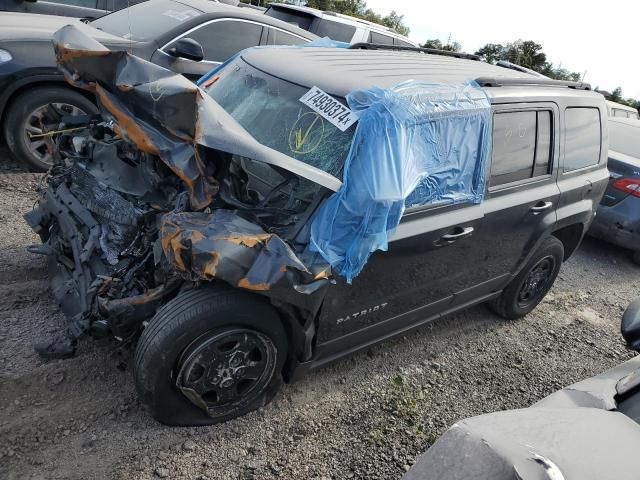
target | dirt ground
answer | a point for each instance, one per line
(365, 417)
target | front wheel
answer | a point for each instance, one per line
(529, 287)
(210, 355)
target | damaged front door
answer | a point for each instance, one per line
(431, 256)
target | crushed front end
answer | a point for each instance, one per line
(140, 205)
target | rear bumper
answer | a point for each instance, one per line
(619, 224)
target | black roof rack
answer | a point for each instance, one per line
(519, 68)
(544, 82)
(432, 51)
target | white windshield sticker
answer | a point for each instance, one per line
(329, 108)
(182, 15)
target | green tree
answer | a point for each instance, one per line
(321, 4)
(616, 95)
(492, 52)
(438, 45)
(396, 22)
(529, 54)
(525, 53)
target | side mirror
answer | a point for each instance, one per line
(187, 48)
(631, 325)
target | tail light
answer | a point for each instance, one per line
(628, 185)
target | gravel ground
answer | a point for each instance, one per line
(365, 417)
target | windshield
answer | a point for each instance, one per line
(269, 108)
(146, 21)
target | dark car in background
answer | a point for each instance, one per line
(618, 217)
(189, 37)
(89, 9)
(67, 8)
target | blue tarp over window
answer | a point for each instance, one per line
(415, 144)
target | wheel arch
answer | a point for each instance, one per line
(570, 236)
(31, 83)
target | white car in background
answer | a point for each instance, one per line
(336, 26)
(622, 111)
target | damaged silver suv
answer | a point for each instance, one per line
(301, 204)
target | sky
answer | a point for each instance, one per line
(578, 35)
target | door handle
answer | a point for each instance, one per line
(540, 207)
(459, 233)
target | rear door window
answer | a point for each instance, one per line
(522, 146)
(141, 23)
(223, 39)
(583, 138)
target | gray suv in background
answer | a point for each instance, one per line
(190, 229)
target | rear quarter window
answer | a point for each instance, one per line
(380, 39)
(583, 137)
(278, 37)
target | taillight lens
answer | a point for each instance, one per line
(628, 185)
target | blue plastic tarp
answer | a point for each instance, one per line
(415, 144)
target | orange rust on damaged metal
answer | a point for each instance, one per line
(210, 268)
(247, 240)
(245, 283)
(142, 299)
(66, 54)
(322, 274)
(127, 124)
(174, 244)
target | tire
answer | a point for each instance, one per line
(20, 112)
(636, 257)
(527, 289)
(175, 345)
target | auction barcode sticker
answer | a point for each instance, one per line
(330, 108)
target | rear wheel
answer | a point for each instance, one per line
(35, 113)
(636, 257)
(533, 282)
(210, 355)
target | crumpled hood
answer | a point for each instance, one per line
(163, 113)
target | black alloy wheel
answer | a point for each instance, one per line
(537, 282)
(226, 369)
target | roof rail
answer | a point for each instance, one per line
(543, 82)
(432, 51)
(519, 68)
